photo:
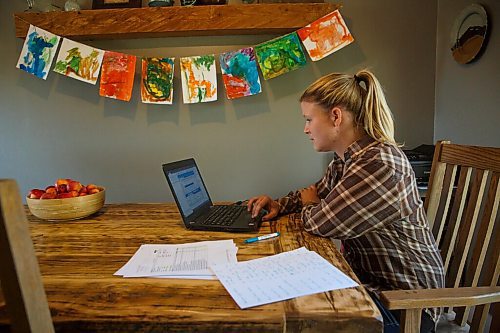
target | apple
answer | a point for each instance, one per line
(64, 195)
(51, 189)
(94, 190)
(35, 193)
(64, 188)
(62, 185)
(48, 195)
(74, 186)
(91, 186)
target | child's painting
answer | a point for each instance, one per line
(38, 52)
(325, 36)
(280, 55)
(157, 83)
(199, 79)
(117, 75)
(79, 61)
(239, 72)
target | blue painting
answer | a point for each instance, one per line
(38, 52)
(239, 72)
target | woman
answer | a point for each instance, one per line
(368, 197)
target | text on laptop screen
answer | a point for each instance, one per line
(189, 189)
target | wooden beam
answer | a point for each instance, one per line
(175, 21)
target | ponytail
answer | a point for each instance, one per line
(367, 104)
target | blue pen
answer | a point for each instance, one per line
(256, 239)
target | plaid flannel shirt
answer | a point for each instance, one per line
(370, 202)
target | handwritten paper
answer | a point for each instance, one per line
(283, 276)
(191, 260)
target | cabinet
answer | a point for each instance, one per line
(251, 19)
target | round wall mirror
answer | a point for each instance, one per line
(468, 34)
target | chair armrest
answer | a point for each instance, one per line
(431, 298)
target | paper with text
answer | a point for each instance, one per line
(190, 260)
(280, 277)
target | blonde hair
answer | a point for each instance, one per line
(367, 104)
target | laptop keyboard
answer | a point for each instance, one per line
(224, 215)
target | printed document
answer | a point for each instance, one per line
(190, 261)
(283, 276)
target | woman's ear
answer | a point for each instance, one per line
(336, 116)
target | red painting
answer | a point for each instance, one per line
(117, 75)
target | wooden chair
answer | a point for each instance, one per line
(462, 207)
(20, 277)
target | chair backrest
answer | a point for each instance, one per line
(20, 276)
(462, 208)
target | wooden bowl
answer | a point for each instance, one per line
(67, 209)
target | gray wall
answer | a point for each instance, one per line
(62, 128)
(468, 96)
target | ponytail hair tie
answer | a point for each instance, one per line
(357, 78)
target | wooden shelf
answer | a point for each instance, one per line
(175, 21)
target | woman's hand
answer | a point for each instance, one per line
(256, 204)
(309, 195)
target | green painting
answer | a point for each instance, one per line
(280, 55)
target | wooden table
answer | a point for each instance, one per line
(78, 259)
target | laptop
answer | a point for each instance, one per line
(196, 207)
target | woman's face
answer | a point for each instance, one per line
(319, 126)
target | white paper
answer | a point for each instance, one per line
(280, 277)
(191, 261)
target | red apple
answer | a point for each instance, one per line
(48, 195)
(93, 190)
(62, 185)
(35, 193)
(91, 186)
(51, 189)
(74, 186)
(64, 195)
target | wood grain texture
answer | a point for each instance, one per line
(19, 273)
(484, 158)
(175, 21)
(422, 298)
(78, 259)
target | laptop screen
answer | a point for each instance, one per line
(189, 189)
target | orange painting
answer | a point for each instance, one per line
(325, 36)
(117, 75)
(199, 79)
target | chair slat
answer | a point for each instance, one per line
(433, 176)
(433, 196)
(445, 199)
(482, 244)
(487, 226)
(481, 312)
(468, 226)
(456, 217)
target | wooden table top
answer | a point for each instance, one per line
(78, 258)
